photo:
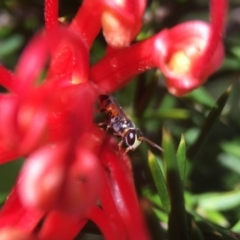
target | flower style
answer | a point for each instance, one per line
(72, 171)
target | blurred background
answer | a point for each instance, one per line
(212, 185)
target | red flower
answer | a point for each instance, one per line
(120, 20)
(72, 172)
(186, 54)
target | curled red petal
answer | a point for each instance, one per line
(178, 49)
(14, 233)
(61, 226)
(7, 154)
(192, 50)
(15, 214)
(32, 121)
(69, 55)
(32, 61)
(42, 176)
(124, 194)
(218, 11)
(83, 183)
(87, 22)
(110, 207)
(115, 70)
(71, 111)
(8, 80)
(102, 220)
(9, 133)
(121, 21)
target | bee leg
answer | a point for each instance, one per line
(127, 150)
(120, 145)
(101, 124)
(107, 128)
(118, 135)
(104, 126)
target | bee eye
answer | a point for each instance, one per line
(132, 139)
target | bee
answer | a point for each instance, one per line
(122, 126)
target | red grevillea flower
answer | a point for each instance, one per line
(186, 54)
(72, 172)
(120, 20)
(66, 171)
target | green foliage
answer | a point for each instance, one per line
(159, 181)
(192, 216)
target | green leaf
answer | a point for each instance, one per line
(195, 234)
(181, 158)
(10, 45)
(232, 147)
(200, 95)
(8, 174)
(236, 51)
(208, 124)
(156, 230)
(236, 227)
(175, 113)
(177, 226)
(215, 217)
(159, 181)
(231, 64)
(219, 201)
(160, 212)
(160, 215)
(212, 232)
(231, 162)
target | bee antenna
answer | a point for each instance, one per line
(152, 143)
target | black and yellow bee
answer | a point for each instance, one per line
(122, 126)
